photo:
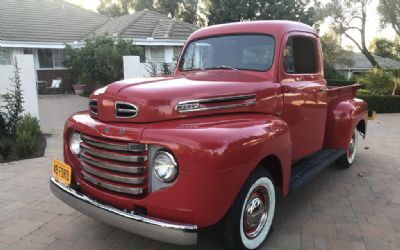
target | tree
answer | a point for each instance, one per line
(351, 15)
(189, 10)
(100, 60)
(224, 11)
(168, 7)
(139, 5)
(13, 102)
(115, 8)
(385, 48)
(389, 11)
(334, 54)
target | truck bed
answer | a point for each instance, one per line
(335, 93)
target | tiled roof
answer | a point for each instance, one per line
(361, 62)
(147, 23)
(46, 21)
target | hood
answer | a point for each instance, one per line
(189, 95)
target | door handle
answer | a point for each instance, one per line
(286, 88)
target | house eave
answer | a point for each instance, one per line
(158, 42)
(33, 45)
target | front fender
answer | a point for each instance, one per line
(216, 154)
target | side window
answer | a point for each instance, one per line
(300, 56)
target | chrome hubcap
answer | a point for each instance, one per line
(256, 212)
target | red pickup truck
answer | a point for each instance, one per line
(247, 112)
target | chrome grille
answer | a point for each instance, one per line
(125, 110)
(93, 107)
(114, 165)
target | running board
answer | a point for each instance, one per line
(309, 167)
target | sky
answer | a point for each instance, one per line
(373, 29)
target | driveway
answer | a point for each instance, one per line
(357, 208)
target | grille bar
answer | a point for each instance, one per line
(112, 166)
(111, 177)
(112, 187)
(113, 156)
(134, 147)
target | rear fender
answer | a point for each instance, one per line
(342, 119)
(219, 153)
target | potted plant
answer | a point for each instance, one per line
(79, 89)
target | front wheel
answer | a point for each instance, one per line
(249, 220)
(347, 159)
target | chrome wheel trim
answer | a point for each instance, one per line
(258, 235)
(352, 149)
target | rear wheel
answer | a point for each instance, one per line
(249, 220)
(347, 159)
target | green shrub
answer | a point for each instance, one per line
(382, 104)
(6, 147)
(381, 81)
(363, 92)
(3, 128)
(27, 132)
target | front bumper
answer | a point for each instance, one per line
(161, 230)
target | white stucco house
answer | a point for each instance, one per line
(43, 28)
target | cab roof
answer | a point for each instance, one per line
(274, 28)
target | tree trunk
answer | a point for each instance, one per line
(370, 58)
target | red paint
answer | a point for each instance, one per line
(294, 116)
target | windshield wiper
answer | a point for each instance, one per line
(224, 67)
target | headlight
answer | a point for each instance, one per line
(75, 143)
(165, 166)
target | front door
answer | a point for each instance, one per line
(304, 91)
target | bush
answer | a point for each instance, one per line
(3, 128)
(382, 104)
(27, 132)
(100, 60)
(381, 81)
(6, 147)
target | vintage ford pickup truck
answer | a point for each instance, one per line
(247, 113)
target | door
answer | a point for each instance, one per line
(304, 88)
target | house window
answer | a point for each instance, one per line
(5, 56)
(297, 48)
(51, 58)
(28, 51)
(177, 51)
(157, 54)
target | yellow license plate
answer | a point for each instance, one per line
(61, 171)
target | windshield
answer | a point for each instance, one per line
(237, 52)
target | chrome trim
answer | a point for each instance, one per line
(112, 177)
(129, 147)
(162, 230)
(112, 187)
(216, 100)
(114, 167)
(112, 156)
(97, 106)
(134, 110)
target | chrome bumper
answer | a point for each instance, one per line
(170, 232)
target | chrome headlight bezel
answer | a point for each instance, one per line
(166, 171)
(75, 140)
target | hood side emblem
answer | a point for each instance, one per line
(196, 105)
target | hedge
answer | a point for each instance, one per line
(339, 83)
(382, 104)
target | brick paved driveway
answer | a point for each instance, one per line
(338, 210)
